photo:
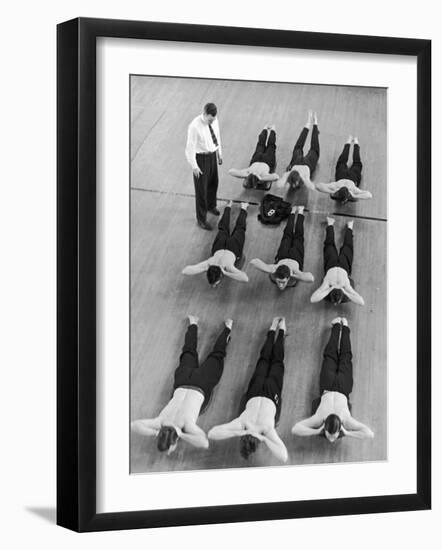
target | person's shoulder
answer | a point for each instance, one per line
(195, 121)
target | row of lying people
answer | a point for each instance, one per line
(261, 170)
(260, 406)
(227, 253)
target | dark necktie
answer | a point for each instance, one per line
(212, 133)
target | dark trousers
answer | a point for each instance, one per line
(206, 376)
(265, 152)
(292, 244)
(353, 173)
(206, 184)
(235, 241)
(337, 366)
(268, 377)
(331, 257)
(312, 157)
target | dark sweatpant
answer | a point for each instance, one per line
(312, 157)
(292, 244)
(235, 241)
(205, 377)
(337, 366)
(331, 257)
(206, 184)
(268, 377)
(265, 152)
(353, 173)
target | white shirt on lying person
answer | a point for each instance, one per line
(180, 413)
(293, 265)
(336, 277)
(225, 259)
(258, 420)
(199, 139)
(334, 186)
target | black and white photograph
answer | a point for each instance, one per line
(258, 274)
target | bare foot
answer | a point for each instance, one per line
(350, 224)
(301, 209)
(229, 323)
(336, 321)
(282, 325)
(193, 319)
(330, 220)
(275, 323)
(350, 139)
(315, 118)
(229, 204)
(244, 205)
(272, 127)
(294, 209)
(344, 321)
(355, 140)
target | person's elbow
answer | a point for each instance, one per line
(295, 430)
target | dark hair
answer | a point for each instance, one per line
(295, 179)
(336, 296)
(343, 195)
(210, 109)
(282, 272)
(167, 436)
(214, 274)
(248, 445)
(332, 424)
(252, 180)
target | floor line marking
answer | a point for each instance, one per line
(253, 203)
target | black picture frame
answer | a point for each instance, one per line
(77, 288)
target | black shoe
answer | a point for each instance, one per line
(204, 225)
(215, 211)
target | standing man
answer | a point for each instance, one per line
(203, 152)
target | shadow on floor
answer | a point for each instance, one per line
(48, 514)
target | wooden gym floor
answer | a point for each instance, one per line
(165, 238)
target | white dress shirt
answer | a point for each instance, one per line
(199, 139)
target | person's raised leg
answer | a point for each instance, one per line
(345, 259)
(331, 357)
(211, 370)
(275, 377)
(270, 152)
(298, 149)
(356, 167)
(330, 251)
(260, 146)
(312, 156)
(189, 356)
(341, 166)
(287, 236)
(223, 234)
(345, 360)
(238, 237)
(297, 252)
(258, 379)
